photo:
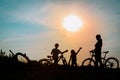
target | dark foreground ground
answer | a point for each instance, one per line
(37, 72)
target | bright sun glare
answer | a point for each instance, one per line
(72, 23)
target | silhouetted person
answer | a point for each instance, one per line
(55, 52)
(73, 57)
(98, 47)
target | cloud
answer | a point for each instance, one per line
(27, 37)
(38, 14)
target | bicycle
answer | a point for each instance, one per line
(19, 57)
(49, 60)
(110, 62)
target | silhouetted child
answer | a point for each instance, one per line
(73, 57)
(55, 52)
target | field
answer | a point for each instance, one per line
(38, 72)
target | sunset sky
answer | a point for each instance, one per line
(34, 26)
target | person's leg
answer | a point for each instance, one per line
(96, 60)
(55, 61)
(75, 63)
(72, 63)
(100, 60)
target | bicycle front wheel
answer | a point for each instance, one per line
(88, 62)
(112, 63)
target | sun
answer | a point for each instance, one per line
(72, 23)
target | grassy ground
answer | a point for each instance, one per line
(38, 72)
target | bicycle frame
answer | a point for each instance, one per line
(50, 59)
(102, 58)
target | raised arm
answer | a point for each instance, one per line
(64, 51)
(78, 50)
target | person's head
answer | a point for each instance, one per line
(72, 51)
(56, 45)
(98, 36)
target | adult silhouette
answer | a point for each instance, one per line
(55, 52)
(98, 47)
(73, 57)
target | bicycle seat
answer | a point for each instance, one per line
(49, 56)
(106, 52)
(92, 51)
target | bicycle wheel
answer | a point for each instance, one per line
(44, 62)
(20, 57)
(112, 63)
(88, 62)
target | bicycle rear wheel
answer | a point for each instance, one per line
(44, 62)
(112, 63)
(88, 62)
